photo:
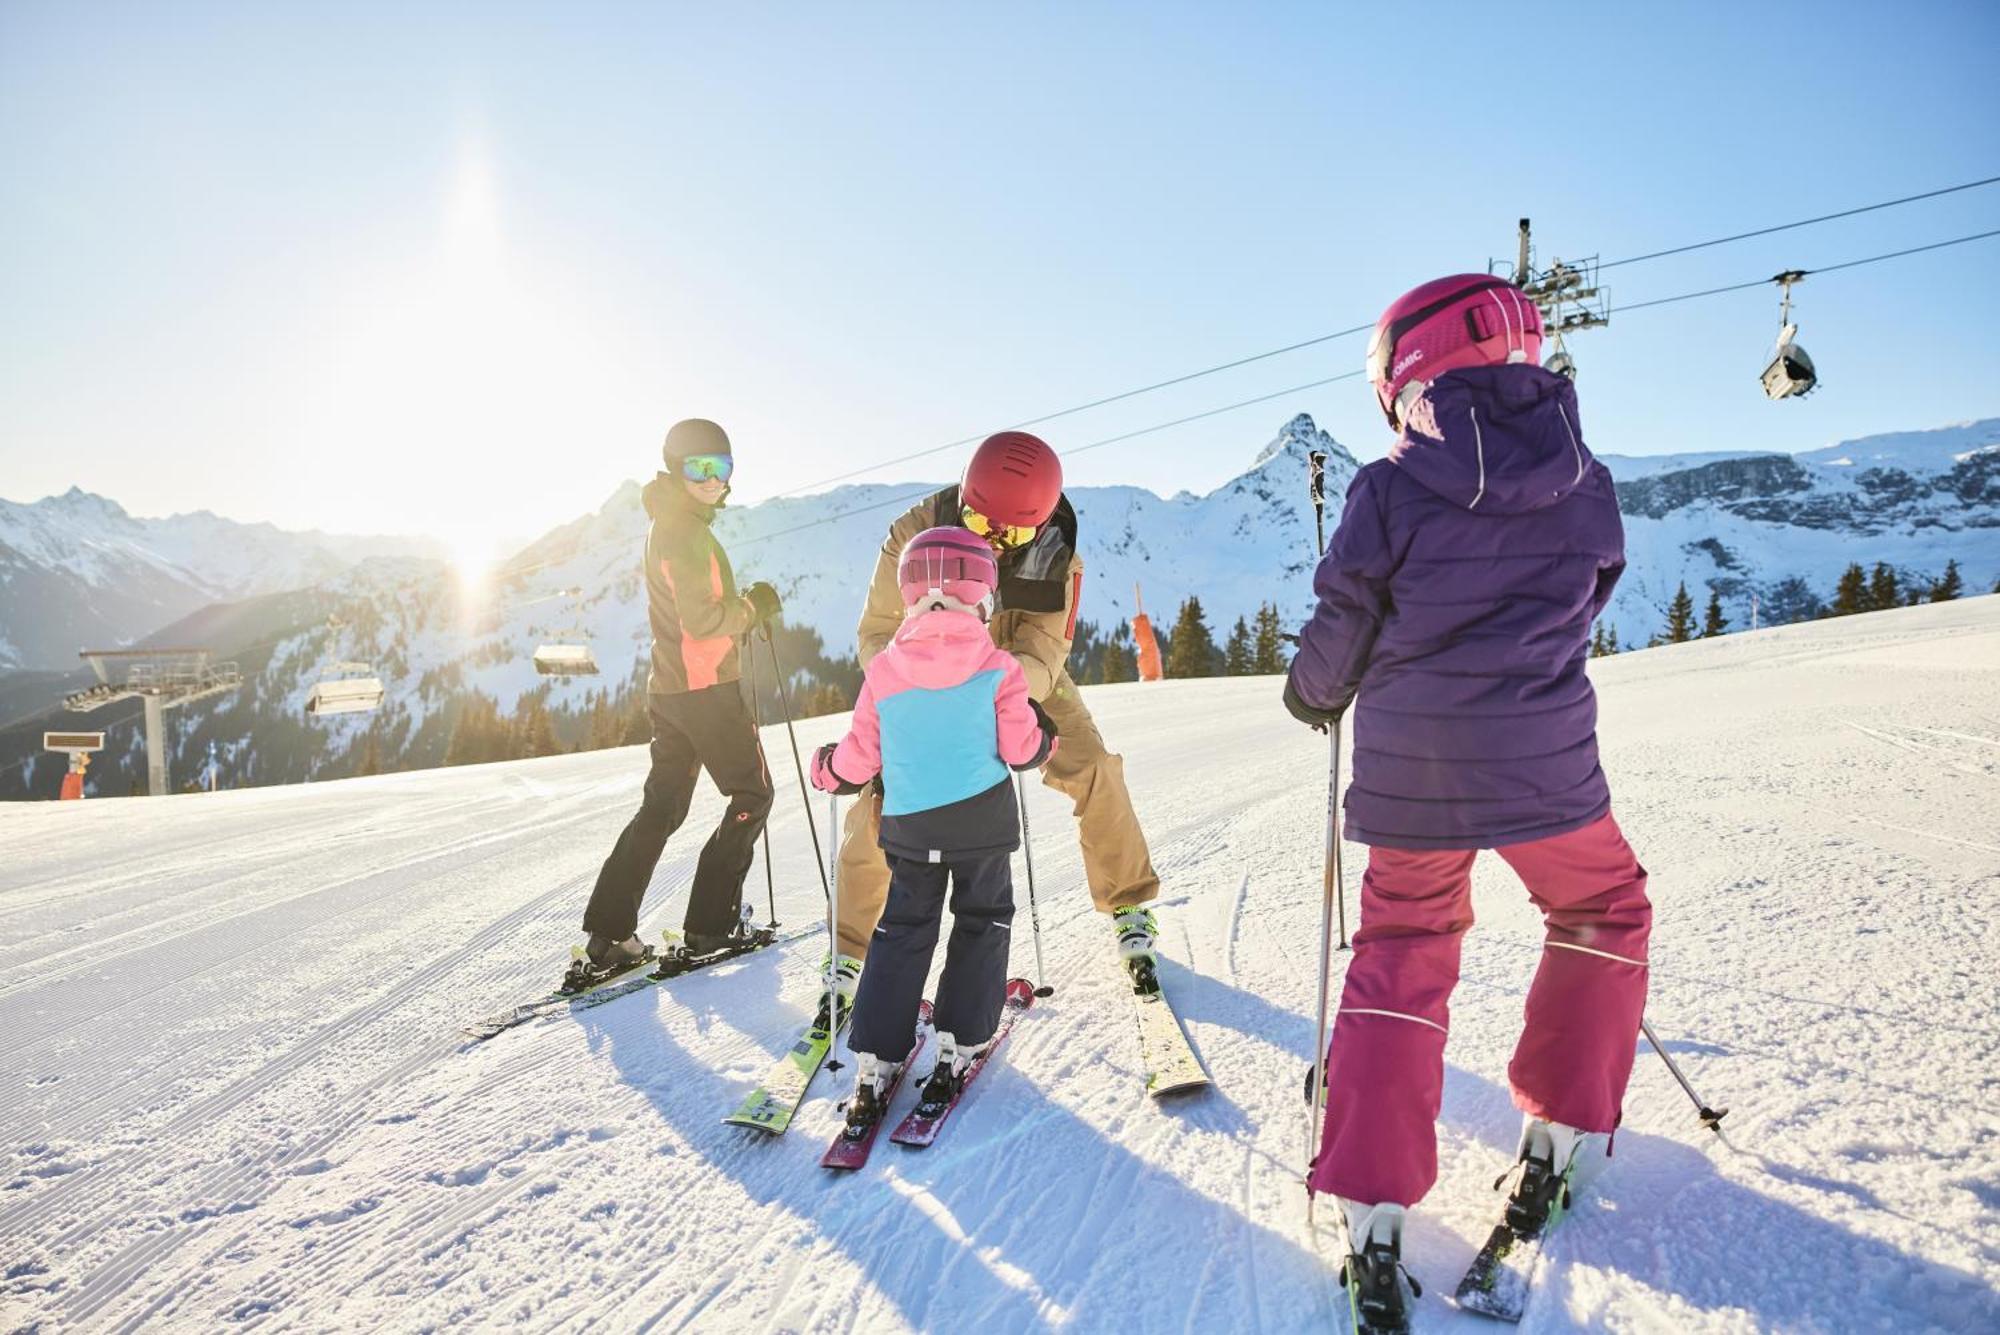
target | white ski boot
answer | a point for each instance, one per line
(1137, 933)
(1552, 1161)
(947, 1073)
(1379, 1289)
(843, 973)
(873, 1080)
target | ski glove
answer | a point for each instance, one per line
(1042, 717)
(1319, 720)
(763, 600)
(1049, 738)
(824, 778)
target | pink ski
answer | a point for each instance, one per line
(852, 1151)
(917, 1130)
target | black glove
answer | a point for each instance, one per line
(1319, 720)
(763, 601)
(1042, 717)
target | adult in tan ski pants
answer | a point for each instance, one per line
(1039, 585)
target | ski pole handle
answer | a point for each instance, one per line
(1316, 487)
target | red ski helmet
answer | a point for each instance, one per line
(952, 561)
(1468, 319)
(1012, 481)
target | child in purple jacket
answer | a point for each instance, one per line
(1455, 606)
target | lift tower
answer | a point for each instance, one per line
(163, 679)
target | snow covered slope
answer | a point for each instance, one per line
(233, 1090)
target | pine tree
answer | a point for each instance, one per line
(1598, 649)
(1238, 654)
(1714, 623)
(1192, 650)
(371, 756)
(1851, 594)
(1950, 586)
(1680, 617)
(1611, 641)
(532, 732)
(1883, 592)
(478, 735)
(1268, 654)
(1119, 660)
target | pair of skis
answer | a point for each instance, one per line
(623, 982)
(1501, 1277)
(918, 1129)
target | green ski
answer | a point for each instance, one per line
(771, 1106)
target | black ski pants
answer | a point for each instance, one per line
(974, 983)
(695, 730)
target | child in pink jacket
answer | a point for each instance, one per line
(943, 715)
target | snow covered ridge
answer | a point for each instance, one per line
(1773, 529)
(240, 1096)
(76, 569)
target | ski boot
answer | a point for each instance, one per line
(1379, 1289)
(1548, 1158)
(842, 976)
(874, 1079)
(947, 1076)
(698, 944)
(846, 975)
(1137, 931)
(602, 960)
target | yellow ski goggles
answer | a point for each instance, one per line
(1000, 535)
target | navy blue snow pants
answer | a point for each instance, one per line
(974, 982)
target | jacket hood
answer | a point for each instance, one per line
(665, 497)
(1495, 439)
(941, 649)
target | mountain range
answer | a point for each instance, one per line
(1769, 533)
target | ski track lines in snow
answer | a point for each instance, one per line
(234, 1093)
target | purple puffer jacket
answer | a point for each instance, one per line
(1457, 598)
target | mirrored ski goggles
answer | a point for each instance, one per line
(703, 467)
(1000, 535)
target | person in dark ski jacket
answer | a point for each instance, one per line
(943, 715)
(1455, 608)
(695, 701)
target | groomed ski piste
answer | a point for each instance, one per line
(236, 1094)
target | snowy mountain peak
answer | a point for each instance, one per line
(78, 502)
(1298, 436)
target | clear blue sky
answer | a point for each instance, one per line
(453, 268)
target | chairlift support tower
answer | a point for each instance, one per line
(1566, 293)
(162, 679)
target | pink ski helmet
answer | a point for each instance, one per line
(1468, 319)
(955, 562)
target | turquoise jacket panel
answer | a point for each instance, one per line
(940, 746)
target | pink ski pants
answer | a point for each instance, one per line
(1385, 1065)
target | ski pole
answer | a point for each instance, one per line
(1316, 1104)
(1316, 488)
(832, 909)
(1710, 1117)
(1034, 917)
(798, 766)
(757, 722)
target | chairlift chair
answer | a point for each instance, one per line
(562, 659)
(568, 653)
(345, 688)
(1790, 373)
